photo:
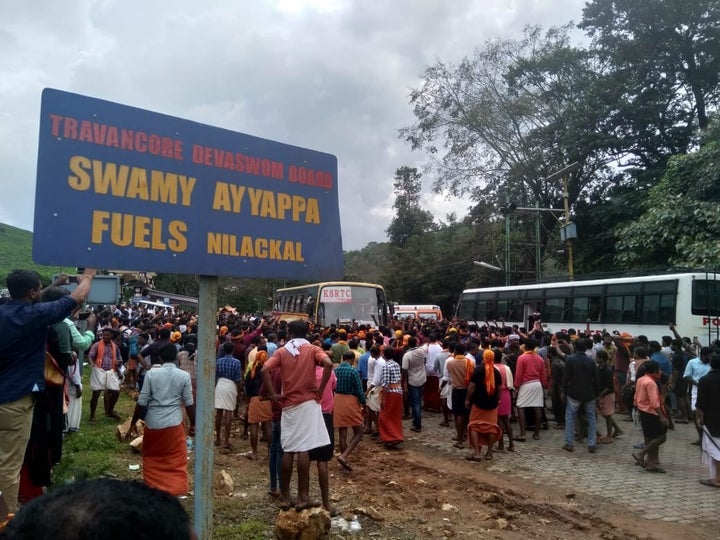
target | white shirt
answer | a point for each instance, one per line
(377, 374)
(433, 349)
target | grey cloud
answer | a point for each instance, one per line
(335, 78)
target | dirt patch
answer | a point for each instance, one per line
(420, 492)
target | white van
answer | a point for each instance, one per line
(418, 311)
(154, 305)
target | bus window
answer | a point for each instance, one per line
(706, 297)
(651, 309)
(629, 309)
(554, 310)
(613, 309)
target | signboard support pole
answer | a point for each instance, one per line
(204, 447)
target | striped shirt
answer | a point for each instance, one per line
(348, 382)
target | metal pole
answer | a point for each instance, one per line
(507, 249)
(538, 262)
(204, 447)
(566, 197)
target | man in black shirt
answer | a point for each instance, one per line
(707, 418)
(580, 386)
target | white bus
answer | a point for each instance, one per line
(640, 305)
(333, 302)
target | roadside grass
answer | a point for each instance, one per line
(95, 452)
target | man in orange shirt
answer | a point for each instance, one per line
(302, 427)
(653, 418)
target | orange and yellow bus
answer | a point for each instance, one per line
(333, 302)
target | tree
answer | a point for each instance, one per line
(681, 219)
(410, 219)
(503, 120)
(665, 57)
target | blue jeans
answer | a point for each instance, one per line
(415, 394)
(571, 410)
(276, 455)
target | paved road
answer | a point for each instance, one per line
(610, 474)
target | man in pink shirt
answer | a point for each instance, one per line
(324, 454)
(653, 419)
(530, 379)
(302, 427)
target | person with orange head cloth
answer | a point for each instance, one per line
(259, 410)
(483, 397)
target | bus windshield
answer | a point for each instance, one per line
(343, 304)
(334, 302)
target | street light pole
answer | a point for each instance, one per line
(563, 173)
(566, 202)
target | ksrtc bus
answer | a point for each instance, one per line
(333, 302)
(417, 311)
(640, 305)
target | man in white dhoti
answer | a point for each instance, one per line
(707, 418)
(302, 427)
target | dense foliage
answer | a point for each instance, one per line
(16, 249)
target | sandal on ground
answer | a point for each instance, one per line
(473, 457)
(709, 483)
(519, 439)
(488, 457)
(345, 465)
(638, 460)
(654, 469)
(459, 445)
(536, 436)
(567, 448)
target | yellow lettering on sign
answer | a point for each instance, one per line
(144, 232)
(107, 178)
(257, 248)
(228, 197)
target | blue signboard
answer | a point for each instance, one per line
(121, 187)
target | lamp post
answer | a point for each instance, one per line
(494, 268)
(570, 233)
(488, 266)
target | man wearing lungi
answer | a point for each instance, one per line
(707, 417)
(349, 408)
(391, 401)
(165, 390)
(302, 425)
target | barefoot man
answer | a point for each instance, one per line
(302, 425)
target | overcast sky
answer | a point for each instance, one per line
(329, 75)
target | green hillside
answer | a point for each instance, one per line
(16, 252)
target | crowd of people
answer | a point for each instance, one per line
(294, 385)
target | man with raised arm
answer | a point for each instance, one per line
(24, 325)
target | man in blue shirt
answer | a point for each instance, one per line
(228, 377)
(24, 325)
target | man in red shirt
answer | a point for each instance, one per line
(530, 379)
(653, 419)
(302, 427)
